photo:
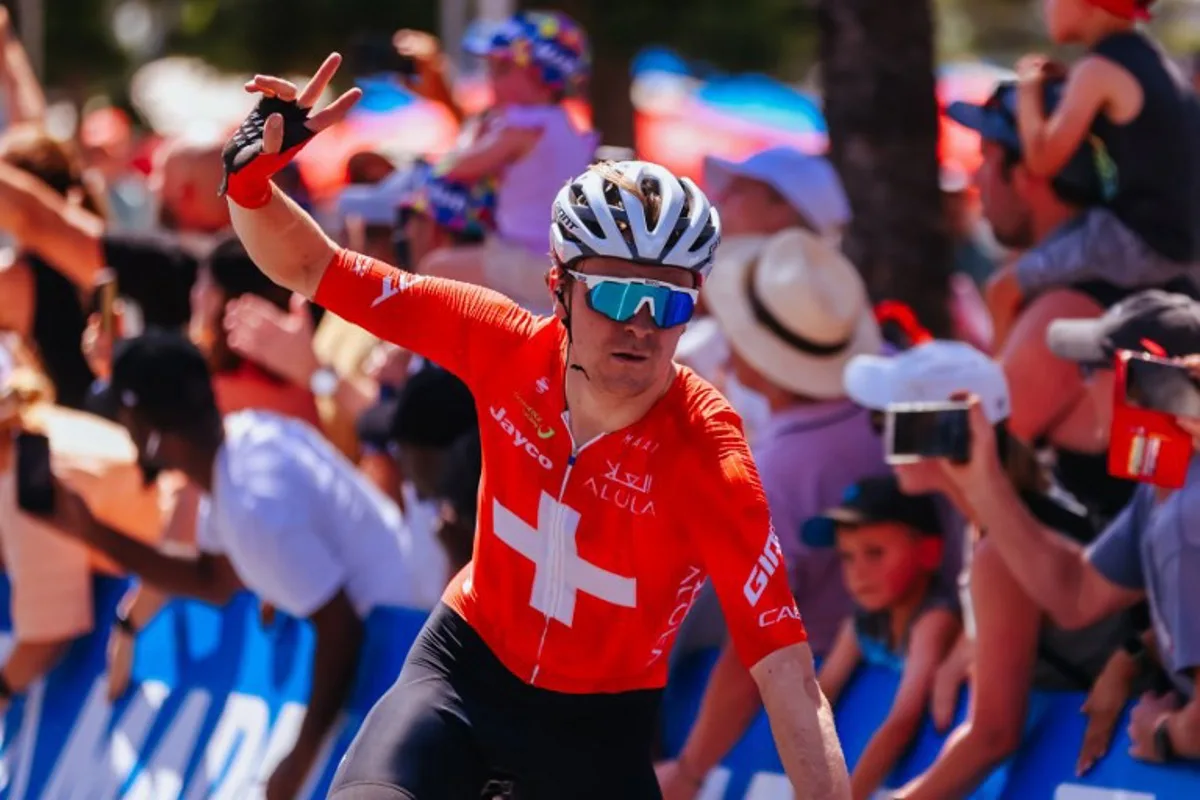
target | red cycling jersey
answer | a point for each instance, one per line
(586, 558)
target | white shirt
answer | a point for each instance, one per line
(528, 187)
(299, 523)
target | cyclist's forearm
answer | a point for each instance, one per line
(802, 723)
(285, 242)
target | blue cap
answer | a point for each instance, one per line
(873, 501)
(1090, 175)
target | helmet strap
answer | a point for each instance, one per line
(561, 295)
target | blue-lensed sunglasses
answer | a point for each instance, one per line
(620, 299)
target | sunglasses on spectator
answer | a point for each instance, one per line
(620, 299)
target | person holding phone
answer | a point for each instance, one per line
(1147, 552)
(50, 575)
(1006, 647)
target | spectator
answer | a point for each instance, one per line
(227, 278)
(431, 412)
(23, 98)
(776, 189)
(51, 575)
(155, 271)
(1007, 647)
(1146, 552)
(906, 617)
(283, 515)
(106, 137)
(329, 361)
(972, 264)
(529, 148)
(1050, 407)
(40, 305)
(770, 192)
(794, 316)
(1135, 106)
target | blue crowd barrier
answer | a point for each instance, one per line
(216, 700)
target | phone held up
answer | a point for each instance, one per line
(916, 432)
(106, 300)
(1146, 443)
(35, 480)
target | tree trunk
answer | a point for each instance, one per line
(608, 90)
(877, 70)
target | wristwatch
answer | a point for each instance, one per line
(324, 382)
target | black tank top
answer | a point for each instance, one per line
(1085, 475)
(59, 320)
(1156, 151)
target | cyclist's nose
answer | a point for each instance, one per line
(642, 323)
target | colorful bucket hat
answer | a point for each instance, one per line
(548, 40)
(463, 208)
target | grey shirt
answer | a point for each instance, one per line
(1155, 547)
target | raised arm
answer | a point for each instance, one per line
(1052, 569)
(461, 327)
(284, 241)
(1049, 142)
(25, 100)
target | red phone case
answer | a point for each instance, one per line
(1146, 446)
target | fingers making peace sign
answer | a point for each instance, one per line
(277, 129)
(306, 98)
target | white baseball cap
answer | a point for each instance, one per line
(929, 372)
(809, 183)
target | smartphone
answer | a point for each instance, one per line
(35, 481)
(918, 431)
(106, 300)
(1146, 444)
(1157, 385)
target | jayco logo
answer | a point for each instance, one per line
(519, 439)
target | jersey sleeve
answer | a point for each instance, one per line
(734, 535)
(464, 328)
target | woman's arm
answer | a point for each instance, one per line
(1007, 621)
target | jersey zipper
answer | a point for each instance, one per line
(557, 560)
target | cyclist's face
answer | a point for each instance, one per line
(624, 358)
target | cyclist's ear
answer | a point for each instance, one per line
(558, 290)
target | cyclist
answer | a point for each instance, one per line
(613, 482)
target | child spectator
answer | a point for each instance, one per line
(1127, 97)
(535, 60)
(906, 616)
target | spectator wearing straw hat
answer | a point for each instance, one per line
(794, 316)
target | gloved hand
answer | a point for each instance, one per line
(276, 130)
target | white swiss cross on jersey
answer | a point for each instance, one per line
(559, 572)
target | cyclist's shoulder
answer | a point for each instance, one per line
(711, 426)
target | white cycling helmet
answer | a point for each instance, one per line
(594, 216)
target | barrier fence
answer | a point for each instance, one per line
(216, 701)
